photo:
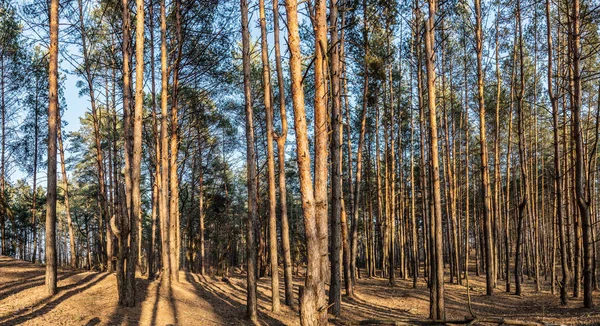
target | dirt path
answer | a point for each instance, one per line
(89, 298)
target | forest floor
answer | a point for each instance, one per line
(90, 298)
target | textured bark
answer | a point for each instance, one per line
(413, 215)
(359, 151)
(437, 309)
(251, 174)
(497, 168)
(156, 158)
(281, 139)
(174, 230)
(313, 291)
(349, 286)
(557, 170)
(201, 248)
(522, 163)
(485, 173)
(581, 181)
(321, 137)
(267, 98)
(35, 168)
(163, 180)
(136, 159)
(3, 159)
(65, 180)
(50, 279)
(336, 164)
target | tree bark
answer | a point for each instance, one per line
(267, 98)
(336, 164)
(313, 291)
(281, 139)
(437, 309)
(251, 168)
(485, 174)
(163, 181)
(73, 260)
(50, 279)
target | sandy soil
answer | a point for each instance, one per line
(89, 298)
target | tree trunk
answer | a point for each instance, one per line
(437, 309)
(312, 293)
(73, 259)
(96, 122)
(163, 180)
(50, 279)
(485, 174)
(266, 79)
(156, 158)
(336, 164)
(175, 237)
(581, 181)
(281, 139)
(251, 168)
(557, 170)
(522, 158)
(361, 140)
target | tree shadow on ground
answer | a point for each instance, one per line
(47, 304)
(131, 315)
(30, 282)
(229, 305)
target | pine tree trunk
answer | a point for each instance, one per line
(73, 259)
(312, 292)
(251, 312)
(163, 180)
(485, 175)
(437, 309)
(267, 98)
(557, 170)
(50, 279)
(281, 139)
(336, 164)
(175, 236)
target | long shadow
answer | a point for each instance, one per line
(131, 314)
(20, 279)
(377, 311)
(172, 304)
(46, 305)
(156, 300)
(29, 283)
(224, 306)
